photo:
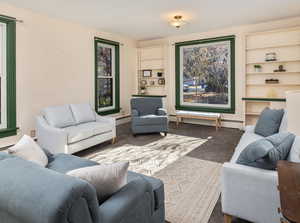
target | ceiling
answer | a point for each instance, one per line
(148, 19)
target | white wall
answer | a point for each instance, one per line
(239, 32)
(55, 65)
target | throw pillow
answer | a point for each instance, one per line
(269, 122)
(59, 116)
(264, 153)
(294, 155)
(29, 150)
(83, 113)
(107, 179)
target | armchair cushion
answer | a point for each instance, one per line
(294, 155)
(59, 116)
(150, 120)
(83, 113)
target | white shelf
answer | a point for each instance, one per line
(272, 73)
(272, 62)
(273, 85)
(252, 113)
(271, 47)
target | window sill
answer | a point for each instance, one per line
(8, 132)
(206, 109)
(109, 112)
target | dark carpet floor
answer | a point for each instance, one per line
(219, 148)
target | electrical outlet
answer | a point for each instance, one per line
(32, 133)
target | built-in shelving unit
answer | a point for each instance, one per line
(285, 44)
(151, 58)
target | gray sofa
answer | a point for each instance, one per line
(148, 116)
(30, 193)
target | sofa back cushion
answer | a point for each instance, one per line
(269, 122)
(264, 153)
(146, 106)
(59, 116)
(83, 113)
(294, 155)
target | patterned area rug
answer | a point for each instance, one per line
(152, 157)
(192, 189)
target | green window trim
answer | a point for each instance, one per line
(10, 77)
(116, 108)
(178, 105)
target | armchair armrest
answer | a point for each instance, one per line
(134, 113)
(135, 196)
(30, 193)
(50, 138)
(161, 111)
(245, 190)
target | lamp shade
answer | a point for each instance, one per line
(293, 109)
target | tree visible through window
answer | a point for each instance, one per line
(107, 76)
(205, 75)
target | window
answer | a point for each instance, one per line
(7, 77)
(106, 76)
(205, 75)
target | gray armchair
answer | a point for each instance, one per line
(148, 116)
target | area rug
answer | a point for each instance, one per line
(152, 157)
(192, 189)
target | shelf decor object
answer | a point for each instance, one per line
(278, 53)
(147, 73)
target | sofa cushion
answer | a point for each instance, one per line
(269, 122)
(107, 178)
(156, 184)
(29, 150)
(83, 113)
(294, 155)
(64, 163)
(150, 120)
(59, 116)
(86, 130)
(264, 153)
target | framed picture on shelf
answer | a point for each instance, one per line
(147, 73)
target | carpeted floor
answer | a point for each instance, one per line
(219, 148)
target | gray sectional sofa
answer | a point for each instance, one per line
(30, 193)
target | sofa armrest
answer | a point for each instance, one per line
(50, 138)
(135, 197)
(110, 120)
(134, 113)
(31, 193)
(161, 111)
(245, 190)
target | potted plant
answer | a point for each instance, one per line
(257, 68)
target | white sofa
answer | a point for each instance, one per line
(72, 128)
(251, 193)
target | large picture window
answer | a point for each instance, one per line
(106, 76)
(7, 77)
(205, 75)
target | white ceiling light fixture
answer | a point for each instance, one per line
(177, 21)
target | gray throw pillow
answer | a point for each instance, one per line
(107, 179)
(269, 122)
(264, 153)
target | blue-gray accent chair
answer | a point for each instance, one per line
(34, 194)
(148, 116)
